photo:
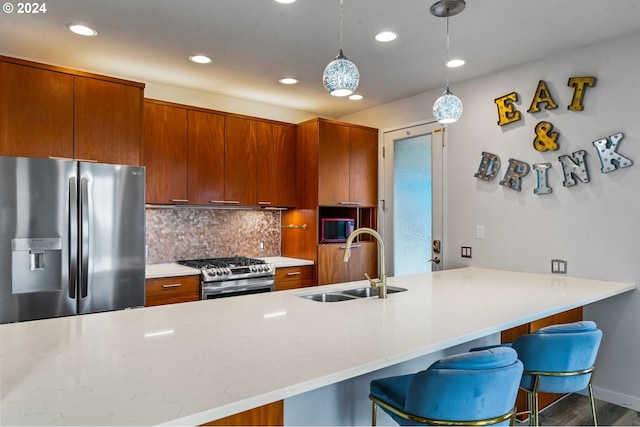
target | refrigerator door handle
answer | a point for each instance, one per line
(73, 237)
(84, 236)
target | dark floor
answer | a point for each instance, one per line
(574, 410)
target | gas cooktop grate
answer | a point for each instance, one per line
(236, 261)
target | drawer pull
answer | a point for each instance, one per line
(352, 247)
(172, 285)
(179, 200)
(294, 273)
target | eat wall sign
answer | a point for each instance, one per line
(545, 138)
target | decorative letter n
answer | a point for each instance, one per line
(574, 166)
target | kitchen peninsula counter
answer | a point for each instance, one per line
(190, 363)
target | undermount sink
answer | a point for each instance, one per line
(350, 294)
(371, 292)
(328, 297)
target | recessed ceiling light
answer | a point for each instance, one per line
(200, 59)
(455, 63)
(82, 30)
(285, 1)
(356, 97)
(288, 81)
(386, 36)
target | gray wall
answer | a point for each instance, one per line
(591, 225)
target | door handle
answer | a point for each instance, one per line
(73, 237)
(84, 237)
(435, 259)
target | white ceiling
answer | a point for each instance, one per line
(256, 42)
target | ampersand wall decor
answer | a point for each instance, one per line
(545, 137)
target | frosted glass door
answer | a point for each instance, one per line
(412, 199)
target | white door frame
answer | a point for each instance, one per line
(439, 191)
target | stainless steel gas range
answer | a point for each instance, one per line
(226, 277)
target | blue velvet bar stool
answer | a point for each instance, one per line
(558, 359)
(475, 388)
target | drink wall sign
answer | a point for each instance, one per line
(573, 165)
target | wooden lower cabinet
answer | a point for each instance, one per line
(267, 415)
(544, 399)
(332, 268)
(293, 277)
(169, 290)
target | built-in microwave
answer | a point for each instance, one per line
(335, 230)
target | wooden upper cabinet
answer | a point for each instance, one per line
(164, 153)
(347, 165)
(241, 148)
(49, 111)
(333, 164)
(363, 166)
(107, 121)
(206, 157)
(276, 162)
(36, 112)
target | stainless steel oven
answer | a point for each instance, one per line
(228, 277)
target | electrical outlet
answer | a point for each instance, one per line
(146, 251)
(465, 251)
(559, 266)
(261, 245)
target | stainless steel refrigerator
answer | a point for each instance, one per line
(72, 238)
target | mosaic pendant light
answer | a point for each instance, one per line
(447, 108)
(341, 76)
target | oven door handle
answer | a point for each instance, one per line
(266, 285)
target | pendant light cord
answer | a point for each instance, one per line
(446, 64)
(340, 26)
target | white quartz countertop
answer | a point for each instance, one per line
(281, 261)
(190, 363)
(154, 271)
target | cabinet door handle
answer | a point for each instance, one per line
(352, 247)
(232, 202)
(217, 201)
(345, 203)
(294, 273)
(172, 285)
(180, 200)
(264, 203)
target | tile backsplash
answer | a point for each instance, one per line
(187, 233)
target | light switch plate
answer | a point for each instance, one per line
(479, 231)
